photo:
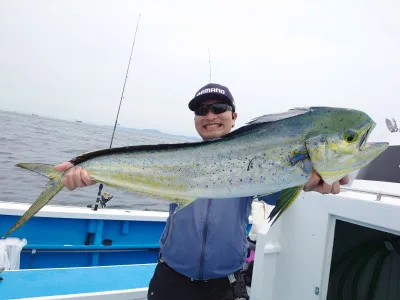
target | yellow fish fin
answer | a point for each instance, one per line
(286, 198)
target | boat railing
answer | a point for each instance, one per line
(377, 194)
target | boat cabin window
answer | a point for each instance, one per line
(386, 167)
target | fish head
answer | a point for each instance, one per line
(341, 146)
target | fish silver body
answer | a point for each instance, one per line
(245, 165)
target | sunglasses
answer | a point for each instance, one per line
(216, 108)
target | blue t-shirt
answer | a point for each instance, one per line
(208, 238)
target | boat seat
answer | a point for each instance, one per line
(69, 281)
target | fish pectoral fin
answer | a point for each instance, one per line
(182, 202)
(52, 188)
(262, 195)
(299, 154)
(286, 198)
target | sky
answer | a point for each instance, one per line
(68, 59)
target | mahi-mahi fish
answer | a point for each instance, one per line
(272, 153)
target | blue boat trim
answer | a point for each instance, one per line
(91, 247)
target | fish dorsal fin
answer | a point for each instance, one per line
(280, 116)
(250, 126)
(259, 121)
(126, 149)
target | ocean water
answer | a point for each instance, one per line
(35, 139)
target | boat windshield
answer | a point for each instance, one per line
(386, 167)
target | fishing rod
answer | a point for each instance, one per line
(209, 62)
(98, 199)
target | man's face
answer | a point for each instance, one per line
(213, 125)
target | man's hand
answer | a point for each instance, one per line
(76, 177)
(316, 184)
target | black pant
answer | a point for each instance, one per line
(168, 284)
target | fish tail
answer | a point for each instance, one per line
(43, 169)
(55, 185)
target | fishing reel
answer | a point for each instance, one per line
(105, 198)
(102, 200)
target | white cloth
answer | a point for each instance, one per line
(10, 252)
(259, 212)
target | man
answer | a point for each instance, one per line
(203, 246)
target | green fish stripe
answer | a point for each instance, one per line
(286, 198)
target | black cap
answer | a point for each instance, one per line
(212, 91)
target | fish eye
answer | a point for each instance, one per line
(350, 136)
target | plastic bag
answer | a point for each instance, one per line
(10, 252)
(4, 262)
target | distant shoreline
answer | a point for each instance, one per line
(154, 132)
